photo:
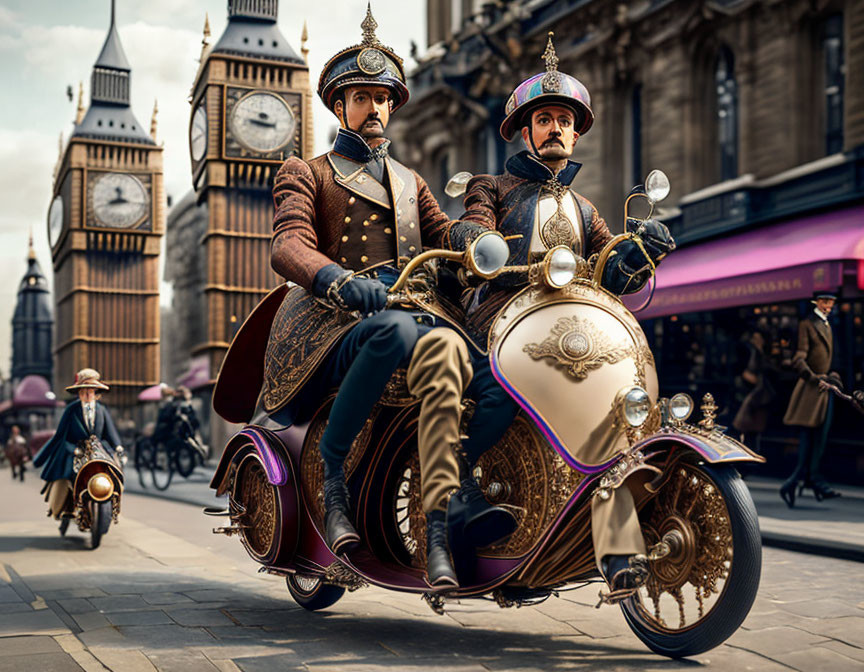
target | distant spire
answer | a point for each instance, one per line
(206, 39)
(153, 118)
(79, 115)
(31, 253)
(304, 37)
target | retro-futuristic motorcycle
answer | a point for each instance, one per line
(577, 362)
(97, 489)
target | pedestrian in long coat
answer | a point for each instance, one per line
(81, 419)
(810, 406)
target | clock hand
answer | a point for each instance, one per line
(118, 199)
(259, 122)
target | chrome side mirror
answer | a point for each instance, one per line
(657, 186)
(487, 255)
(458, 184)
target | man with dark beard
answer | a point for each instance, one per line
(346, 223)
(534, 206)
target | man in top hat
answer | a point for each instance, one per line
(82, 418)
(346, 223)
(811, 405)
(533, 201)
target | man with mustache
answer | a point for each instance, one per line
(346, 223)
(533, 203)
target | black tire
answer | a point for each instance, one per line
(740, 588)
(311, 593)
(64, 525)
(162, 467)
(143, 460)
(187, 460)
(100, 521)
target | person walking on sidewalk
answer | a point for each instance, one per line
(17, 453)
(811, 404)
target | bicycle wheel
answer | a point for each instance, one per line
(143, 460)
(187, 459)
(162, 467)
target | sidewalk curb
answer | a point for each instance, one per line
(829, 549)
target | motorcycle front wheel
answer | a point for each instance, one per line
(312, 593)
(100, 521)
(698, 595)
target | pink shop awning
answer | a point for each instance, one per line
(781, 262)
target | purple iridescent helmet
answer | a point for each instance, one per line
(547, 88)
(368, 63)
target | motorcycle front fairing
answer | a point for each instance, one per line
(566, 356)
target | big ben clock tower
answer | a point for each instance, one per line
(104, 225)
(251, 110)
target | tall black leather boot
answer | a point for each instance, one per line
(339, 532)
(481, 523)
(439, 565)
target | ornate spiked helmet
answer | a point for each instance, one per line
(369, 63)
(547, 88)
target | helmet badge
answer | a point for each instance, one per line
(370, 60)
(551, 82)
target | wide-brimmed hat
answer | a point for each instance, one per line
(88, 378)
(368, 63)
(547, 88)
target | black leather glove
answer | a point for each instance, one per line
(367, 295)
(364, 294)
(655, 237)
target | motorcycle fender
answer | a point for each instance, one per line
(715, 447)
(262, 442)
(90, 469)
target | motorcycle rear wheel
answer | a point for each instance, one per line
(724, 542)
(100, 521)
(311, 593)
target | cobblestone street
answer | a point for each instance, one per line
(163, 593)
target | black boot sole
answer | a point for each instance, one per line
(442, 582)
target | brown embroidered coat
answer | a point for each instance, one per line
(328, 210)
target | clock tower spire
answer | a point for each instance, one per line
(104, 225)
(250, 111)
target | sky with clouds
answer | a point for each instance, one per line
(47, 45)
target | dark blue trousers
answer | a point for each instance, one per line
(363, 363)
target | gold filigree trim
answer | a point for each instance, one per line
(579, 347)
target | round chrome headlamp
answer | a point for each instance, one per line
(559, 267)
(487, 254)
(680, 407)
(100, 487)
(636, 406)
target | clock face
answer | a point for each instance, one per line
(119, 200)
(198, 134)
(262, 122)
(55, 220)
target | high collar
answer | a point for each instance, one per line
(529, 167)
(352, 146)
(822, 316)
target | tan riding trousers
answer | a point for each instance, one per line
(57, 495)
(615, 525)
(438, 374)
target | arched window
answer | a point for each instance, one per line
(727, 113)
(832, 54)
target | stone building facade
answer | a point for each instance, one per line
(675, 85)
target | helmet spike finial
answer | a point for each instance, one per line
(549, 56)
(551, 81)
(369, 25)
